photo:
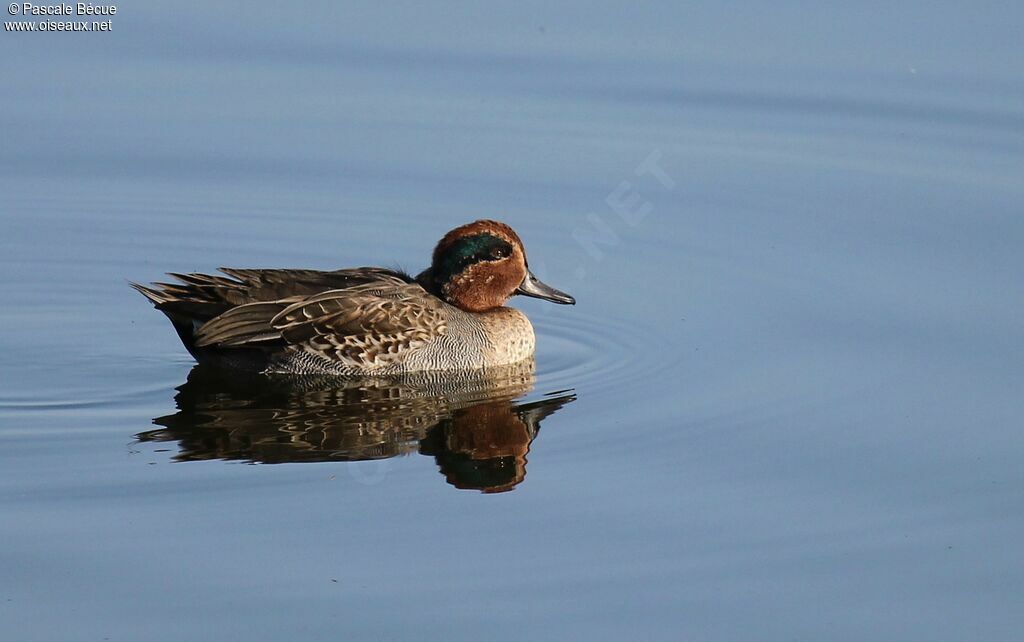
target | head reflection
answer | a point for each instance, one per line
(476, 432)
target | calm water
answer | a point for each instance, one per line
(787, 405)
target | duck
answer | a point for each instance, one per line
(365, 321)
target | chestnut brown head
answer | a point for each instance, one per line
(478, 266)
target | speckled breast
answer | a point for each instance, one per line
(510, 336)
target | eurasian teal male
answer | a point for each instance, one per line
(365, 321)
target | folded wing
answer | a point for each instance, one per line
(366, 326)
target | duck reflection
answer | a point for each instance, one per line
(476, 432)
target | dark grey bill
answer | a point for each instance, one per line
(532, 286)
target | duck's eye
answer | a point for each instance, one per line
(500, 253)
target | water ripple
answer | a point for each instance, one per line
(585, 352)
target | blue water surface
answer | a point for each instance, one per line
(794, 233)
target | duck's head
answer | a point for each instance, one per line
(478, 266)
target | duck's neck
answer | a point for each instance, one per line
(429, 283)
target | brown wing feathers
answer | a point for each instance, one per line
(365, 316)
(366, 325)
(246, 324)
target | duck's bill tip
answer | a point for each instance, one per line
(532, 286)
